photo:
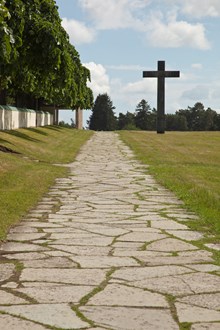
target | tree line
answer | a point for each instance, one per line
(195, 118)
(38, 65)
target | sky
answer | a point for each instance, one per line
(119, 39)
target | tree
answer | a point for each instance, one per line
(176, 122)
(37, 62)
(145, 117)
(126, 121)
(103, 117)
(199, 119)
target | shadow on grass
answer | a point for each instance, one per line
(54, 128)
(5, 141)
(21, 135)
(35, 130)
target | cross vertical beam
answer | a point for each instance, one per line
(161, 74)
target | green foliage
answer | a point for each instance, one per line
(103, 117)
(37, 61)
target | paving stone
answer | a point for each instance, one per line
(209, 300)
(179, 260)
(213, 246)
(6, 271)
(189, 313)
(53, 262)
(9, 322)
(71, 276)
(84, 250)
(120, 252)
(141, 237)
(206, 326)
(104, 262)
(182, 284)
(10, 285)
(10, 299)
(93, 241)
(23, 229)
(186, 235)
(55, 315)
(57, 294)
(26, 256)
(25, 236)
(145, 273)
(21, 247)
(167, 224)
(205, 267)
(120, 295)
(170, 244)
(121, 318)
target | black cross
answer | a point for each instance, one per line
(161, 74)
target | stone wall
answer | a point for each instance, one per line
(12, 118)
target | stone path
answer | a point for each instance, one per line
(107, 248)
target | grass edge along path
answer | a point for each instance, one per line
(27, 176)
(187, 164)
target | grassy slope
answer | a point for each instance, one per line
(26, 177)
(188, 164)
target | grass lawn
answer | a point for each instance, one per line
(26, 177)
(188, 163)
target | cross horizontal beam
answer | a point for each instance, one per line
(162, 74)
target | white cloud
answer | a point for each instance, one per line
(198, 93)
(113, 14)
(177, 34)
(78, 31)
(99, 79)
(201, 8)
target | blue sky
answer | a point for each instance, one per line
(118, 39)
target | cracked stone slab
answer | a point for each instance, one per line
(6, 271)
(171, 245)
(51, 262)
(189, 313)
(121, 318)
(120, 295)
(9, 322)
(10, 299)
(71, 276)
(182, 284)
(56, 294)
(145, 273)
(104, 262)
(209, 300)
(54, 315)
